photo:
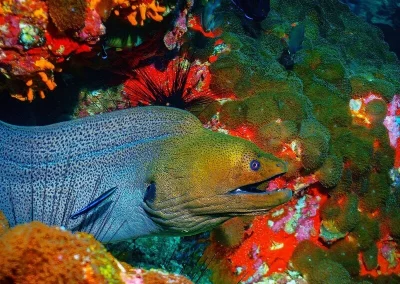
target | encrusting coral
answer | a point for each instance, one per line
(67, 14)
(37, 253)
(37, 36)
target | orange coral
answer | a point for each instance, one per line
(36, 253)
(142, 10)
(44, 79)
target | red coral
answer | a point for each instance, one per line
(64, 46)
(195, 24)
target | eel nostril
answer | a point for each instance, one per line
(281, 165)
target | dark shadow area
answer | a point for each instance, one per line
(59, 104)
(392, 37)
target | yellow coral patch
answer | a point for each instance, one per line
(93, 4)
(44, 64)
(40, 13)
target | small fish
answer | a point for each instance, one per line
(296, 38)
(104, 54)
(294, 44)
(94, 203)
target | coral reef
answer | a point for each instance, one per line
(27, 257)
(36, 253)
(101, 100)
(31, 49)
(325, 118)
(175, 254)
(38, 37)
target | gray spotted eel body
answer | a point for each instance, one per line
(48, 173)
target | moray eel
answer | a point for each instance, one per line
(146, 171)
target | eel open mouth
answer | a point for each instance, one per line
(255, 188)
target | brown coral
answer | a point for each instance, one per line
(67, 14)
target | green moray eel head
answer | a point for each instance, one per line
(205, 178)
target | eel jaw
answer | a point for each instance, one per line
(254, 188)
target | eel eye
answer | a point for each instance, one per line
(255, 165)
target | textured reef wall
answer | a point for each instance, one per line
(38, 36)
(321, 108)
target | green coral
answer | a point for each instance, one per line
(307, 256)
(377, 193)
(331, 72)
(355, 149)
(330, 173)
(313, 152)
(345, 252)
(392, 215)
(364, 85)
(329, 272)
(376, 111)
(366, 232)
(383, 157)
(233, 113)
(341, 214)
(267, 107)
(314, 143)
(370, 257)
(314, 264)
(273, 134)
(329, 108)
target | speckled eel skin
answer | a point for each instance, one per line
(171, 176)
